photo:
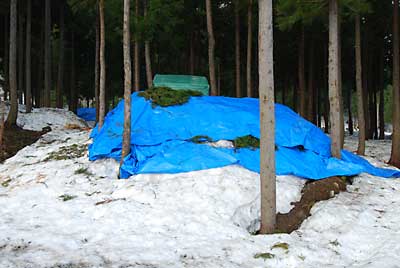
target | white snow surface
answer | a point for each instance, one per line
(195, 219)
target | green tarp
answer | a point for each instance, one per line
(178, 82)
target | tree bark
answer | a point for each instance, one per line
(20, 57)
(395, 155)
(47, 55)
(382, 96)
(350, 123)
(60, 79)
(73, 92)
(267, 118)
(301, 73)
(28, 79)
(126, 138)
(6, 55)
(149, 73)
(334, 86)
(102, 94)
(211, 48)
(311, 111)
(97, 65)
(360, 91)
(237, 50)
(13, 113)
(136, 48)
(249, 47)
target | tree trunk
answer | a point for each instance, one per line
(334, 86)
(6, 55)
(360, 91)
(60, 79)
(237, 50)
(47, 55)
(136, 48)
(249, 47)
(97, 66)
(28, 57)
(149, 73)
(40, 69)
(326, 90)
(126, 139)
(301, 73)
(267, 118)
(350, 123)
(13, 113)
(382, 96)
(102, 94)
(311, 111)
(73, 92)
(211, 48)
(395, 155)
(191, 57)
(20, 83)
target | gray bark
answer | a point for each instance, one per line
(211, 49)
(28, 79)
(60, 78)
(360, 98)
(249, 47)
(47, 55)
(237, 50)
(102, 95)
(267, 118)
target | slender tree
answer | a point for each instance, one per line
(28, 79)
(97, 65)
(211, 48)
(47, 55)
(136, 50)
(249, 46)
(360, 98)
(126, 139)
(395, 155)
(334, 87)
(13, 113)
(102, 94)
(267, 118)
(60, 78)
(20, 56)
(301, 74)
(237, 49)
(149, 72)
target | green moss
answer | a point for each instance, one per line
(283, 245)
(68, 152)
(201, 139)
(66, 197)
(83, 171)
(6, 183)
(165, 96)
(264, 256)
(246, 142)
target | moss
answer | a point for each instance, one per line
(264, 256)
(283, 245)
(165, 96)
(201, 139)
(83, 171)
(66, 197)
(246, 142)
(6, 183)
(68, 152)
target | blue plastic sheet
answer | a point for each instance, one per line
(160, 140)
(87, 114)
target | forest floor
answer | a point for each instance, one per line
(60, 210)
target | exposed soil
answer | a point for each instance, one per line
(312, 192)
(15, 139)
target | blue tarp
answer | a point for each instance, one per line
(87, 114)
(160, 140)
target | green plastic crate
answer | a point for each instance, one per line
(178, 82)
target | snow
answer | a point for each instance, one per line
(195, 219)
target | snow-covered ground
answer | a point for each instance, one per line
(57, 209)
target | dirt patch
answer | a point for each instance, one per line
(15, 139)
(312, 192)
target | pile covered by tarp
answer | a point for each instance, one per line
(162, 140)
(87, 114)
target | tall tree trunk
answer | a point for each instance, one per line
(20, 86)
(360, 91)
(326, 90)
(13, 113)
(60, 79)
(149, 73)
(237, 50)
(267, 118)
(349, 102)
(126, 138)
(249, 47)
(73, 105)
(334, 86)
(28, 57)
(311, 111)
(341, 115)
(191, 57)
(211, 48)
(395, 155)
(136, 48)
(97, 65)
(382, 96)
(6, 55)
(47, 55)
(102, 94)
(301, 73)
(40, 69)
